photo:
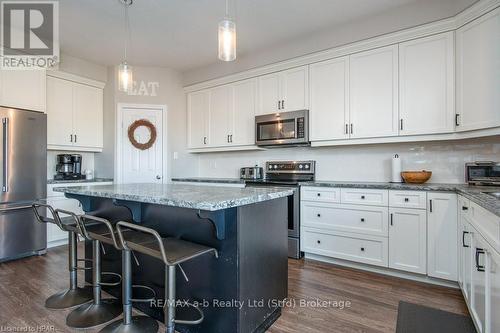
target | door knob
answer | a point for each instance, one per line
(158, 177)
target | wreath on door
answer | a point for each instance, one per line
(152, 134)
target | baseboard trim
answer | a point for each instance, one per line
(56, 243)
(383, 271)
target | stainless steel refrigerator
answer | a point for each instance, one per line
(23, 179)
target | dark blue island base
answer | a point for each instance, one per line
(239, 291)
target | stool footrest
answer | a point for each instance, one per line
(84, 268)
(144, 300)
(192, 322)
(111, 284)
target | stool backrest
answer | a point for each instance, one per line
(142, 229)
(55, 217)
(90, 219)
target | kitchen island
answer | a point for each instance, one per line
(238, 292)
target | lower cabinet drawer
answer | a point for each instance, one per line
(346, 218)
(364, 249)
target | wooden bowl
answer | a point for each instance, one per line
(416, 177)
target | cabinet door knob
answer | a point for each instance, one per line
(362, 220)
(319, 242)
(362, 249)
(319, 194)
(363, 197)
(319, 215)
(158, 177)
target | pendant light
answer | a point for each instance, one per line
(227, 37)
(125, 78)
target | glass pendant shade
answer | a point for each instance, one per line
(227, 40)
(125, 78)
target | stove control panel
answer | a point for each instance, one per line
(306, 167)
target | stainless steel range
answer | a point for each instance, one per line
(289, 174)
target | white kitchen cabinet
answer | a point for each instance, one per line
(426, 85)
(329, 93)
(74, 113)
(284, 91)
(478, 73)
(198, 115)
(244, 94)
(408, 240)
(442, 234)
(373, 86)
(465, 256)
(479, 280)
(219, 116)
(493, 300)
(23, 89)
(54, 234)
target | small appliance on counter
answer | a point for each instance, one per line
(252, 173)
(69, 167)
(482, 173)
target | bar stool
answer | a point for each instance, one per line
(172, 252)
(99, 311)
(74, 295)
(107, 234)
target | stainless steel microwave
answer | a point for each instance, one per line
(287, 128)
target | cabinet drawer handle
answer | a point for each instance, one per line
(319, 242)
(363, 197)
(463, 238)
(479, 251)
(406, 199)
(319, 215)
(362, 220)
(362, 249)
(318, 194)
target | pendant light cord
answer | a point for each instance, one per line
(127, 28)
(227, 9)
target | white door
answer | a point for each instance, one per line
(244, 106)
(329, 92)
(59, 112)
(269, 94)
(198, 115)
(141, 166)
(24, 89)
(220, 100)
(442, 235)
(478, 73)
(294, 89)
(426, 85)
(373, 80)
(408, 240)
(88, 113)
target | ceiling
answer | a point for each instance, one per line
(182, 34)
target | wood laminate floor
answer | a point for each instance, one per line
(26, 283)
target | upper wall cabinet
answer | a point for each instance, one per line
(23, 89)
(426, 85)
(284, 91)
(74, 113)
(373, 87)
(222, 116)
(329, 92)
(478, 73)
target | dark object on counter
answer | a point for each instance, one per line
(251, 173)
(69, 167)
(414, 318)
(482, 173)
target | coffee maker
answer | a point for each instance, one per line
(69, 167)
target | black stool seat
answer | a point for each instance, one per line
(177, 251)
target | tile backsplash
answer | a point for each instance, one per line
(364, 162)
(87, 161)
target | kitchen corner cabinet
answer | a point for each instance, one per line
(23, 89)
(373, 87)
(442, 234)
(426, 85)
(74, 115)
(284, 91)
(478, 73)
(222, 116)
(329, 92)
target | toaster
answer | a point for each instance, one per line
(251, 173)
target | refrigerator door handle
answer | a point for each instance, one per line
(5, 125)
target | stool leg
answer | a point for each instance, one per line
(170, 299)
(130, 324)
(99, 311)
(73, 296)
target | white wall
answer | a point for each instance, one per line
(364, 163)
(170, 93)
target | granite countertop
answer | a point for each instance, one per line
(95, 180)
(210, 180)
(187, 196)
